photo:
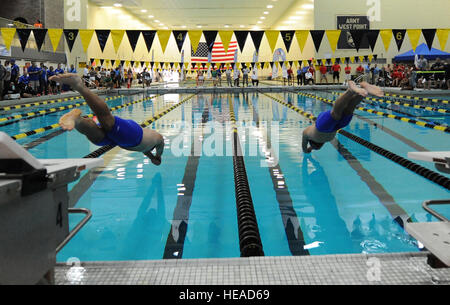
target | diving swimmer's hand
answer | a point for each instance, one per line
(70, 79)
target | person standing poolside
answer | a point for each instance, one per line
(228, 74)
(299, 76)
(112, 130)
(323, 73)
(336, 68)
(348, 74)
(255, 81)
(245, 73)
(328, 123)
(236, 76)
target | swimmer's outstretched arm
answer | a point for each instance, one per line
(305, 142)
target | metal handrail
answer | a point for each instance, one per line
(77, 229)
(426, 205)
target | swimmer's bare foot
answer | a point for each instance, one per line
(68, 121)
(373, 90)
(360, 91)
(155, 160)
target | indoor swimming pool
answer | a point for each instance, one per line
(343, 199)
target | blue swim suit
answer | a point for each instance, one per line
(125, 134)
(325, 122)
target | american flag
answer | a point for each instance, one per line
(218, 53)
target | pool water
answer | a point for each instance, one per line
(342, 199)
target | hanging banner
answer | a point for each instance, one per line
(429, 35)
(226, 36)
(39, 37)
(352, 23)
(399, 36)
(164, 36)
(149, 37)
(257, 37)
(117, 38)
(55, 37)
(386, 36)
(287, 36)
(194, 37)
(442, 35)
(86, 38)
(272, 38)
(180, 37)
(210, 37)
(241, 37)
(71, 36)
(333, 38)
(317, 37)
(24, 35)
(372, 38)
(357, 37)
(302, 37)
(8, 36)
(133, 38)
(102, 37)
(414, 36)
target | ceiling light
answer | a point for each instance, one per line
(199, 26)
(270, 6)
(151, 16)
(183, 26)
(262, 18)
(296, 17)
(143, 11)
(227, 26)
(266, 13)
(117, 4)
(308, 6)
(156, 20)
(259, 21)
(241, 26)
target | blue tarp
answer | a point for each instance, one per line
(422, 50)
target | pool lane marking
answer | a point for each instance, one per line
(440, 110)
(434, 100)
(383, 114)
(55, 126)
(414, 167)
(288, 214)
(396, 211)
(49, 102)
(175, 240)
(394, 134)
(33, 115)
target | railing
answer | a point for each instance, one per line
(77, 229)
(426, 206)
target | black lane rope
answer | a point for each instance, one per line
(33, 115)
(56, 126)
(49, 102)
(291, 222)
(174, 247)
(103, 150)
(439, 127)
(249, 236)
(414, 167)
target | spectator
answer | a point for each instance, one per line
(304, 71)
(214, 77)
(439, 78)
(43, 81)
(309, 78)
(348, 74)
(255, 81)
(368, 71)
(285, 76)
(52, 84)
(290, 76)
(7, 80)
(24, 80)
(219, 77)
(58, 71)
(3, 73)
(12, 92)
(228, 74)
(38, 24)
(245, 73)
(336, 68)
(299, 75)
(447, 73)
(422, 63)
(14, 71)
(34, 73)
(313, 72)
(359, 71)
(236, 76)
(323, 73)
(375, 73)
